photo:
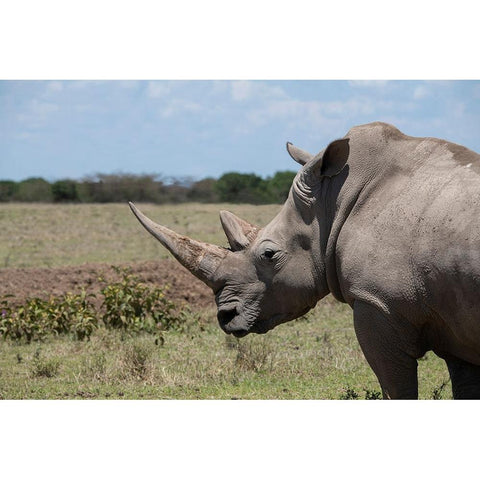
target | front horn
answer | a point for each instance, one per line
(202, 259)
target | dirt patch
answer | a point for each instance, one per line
(25, 283)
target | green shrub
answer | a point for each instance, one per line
(134, 306)
(81, 319)
(127, 304)
(37, 318)
(34, 320)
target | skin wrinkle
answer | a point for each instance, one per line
(339, 216)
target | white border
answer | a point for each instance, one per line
(253, 39)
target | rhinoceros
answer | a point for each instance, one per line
(386, 222)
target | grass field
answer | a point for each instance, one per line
(43, 235)
(315, 357)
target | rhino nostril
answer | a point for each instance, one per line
(226, 315)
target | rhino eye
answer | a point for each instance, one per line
(268, 254)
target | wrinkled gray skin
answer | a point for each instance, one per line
(389, 224)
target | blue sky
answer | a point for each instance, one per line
(71, 129)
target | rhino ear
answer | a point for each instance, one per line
(299, 155)
(330, 162)
(239, 232)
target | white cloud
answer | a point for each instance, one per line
(251, 89)
(55, 86)
(37, 113)
(421, 91)
(43, 108)
(314, 113)
(158, 89)
(177, 106)
(241, 90)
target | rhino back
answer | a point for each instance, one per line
(411, 244)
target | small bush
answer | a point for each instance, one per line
(127, 305)
(81, 319)
(34, 320)
(39, 318)
(133, 306)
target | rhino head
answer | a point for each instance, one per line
(273, 274)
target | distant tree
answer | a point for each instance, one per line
(8, 189)
(34, 190)
(64, 191)
(104, 188)
(279, 185)
(241, 188)
(203, 191)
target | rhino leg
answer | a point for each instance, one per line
(465, 378)
(395, 369)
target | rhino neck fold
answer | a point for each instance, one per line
(339, 203)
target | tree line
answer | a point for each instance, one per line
(231, 187)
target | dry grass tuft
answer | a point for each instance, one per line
(136, 361)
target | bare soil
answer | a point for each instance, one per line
(25, 283)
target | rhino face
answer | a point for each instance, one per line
(268, 281)
(271, 275)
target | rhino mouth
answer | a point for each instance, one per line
(232, 322)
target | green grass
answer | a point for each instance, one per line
(316, 357)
